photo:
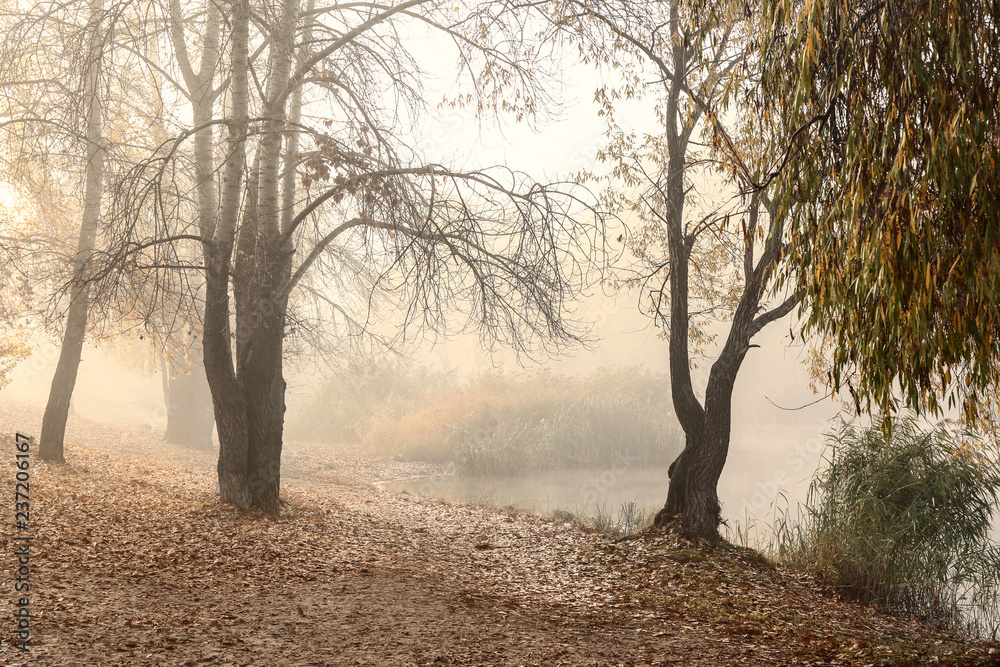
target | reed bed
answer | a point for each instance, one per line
(900, 516)
(499, 423)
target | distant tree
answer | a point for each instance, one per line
(84, 49)
(702, 259)
(894, 204)
(190, 416)
(94, 95)
(341, 192)
(69, 110)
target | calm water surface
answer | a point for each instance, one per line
(762, 470)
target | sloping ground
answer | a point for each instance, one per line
(134, 562)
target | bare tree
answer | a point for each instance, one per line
(91, 38)
(698, 264)
(316, 175)
(76, 108)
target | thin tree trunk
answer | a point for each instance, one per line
(227, 390)
(190, 417)
(64, 381)
(190, 412)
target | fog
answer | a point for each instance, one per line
(776, 442)
(374, 301)
(777, 420)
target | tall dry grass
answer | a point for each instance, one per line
(345, 405)
(499, 423)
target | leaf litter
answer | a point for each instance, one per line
(135, 562)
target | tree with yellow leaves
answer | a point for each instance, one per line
(894, 189)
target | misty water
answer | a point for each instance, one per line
(768, 469)
(765, 468)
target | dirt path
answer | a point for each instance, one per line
(135, 563)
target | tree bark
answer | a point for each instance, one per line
(227, 390)
(261, 301)
(692, 494)
(249, 397)
(50, 447)
(694, 476)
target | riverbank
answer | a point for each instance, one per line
(134, 562)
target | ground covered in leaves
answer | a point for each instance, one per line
(135, 562)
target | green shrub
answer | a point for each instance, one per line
(901, 517)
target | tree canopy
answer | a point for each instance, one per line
(893, 107)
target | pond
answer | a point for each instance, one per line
(761, 471)
(765, 470)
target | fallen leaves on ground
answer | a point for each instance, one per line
(135, 562)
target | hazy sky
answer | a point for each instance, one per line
(554, 149)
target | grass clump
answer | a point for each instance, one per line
(901, 517)
(628, 520)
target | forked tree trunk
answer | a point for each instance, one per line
(50, 446)
(694, 476)
(248, 396)
(260, 274)
(692, 497)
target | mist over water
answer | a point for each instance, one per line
(776, 446)
(768, 467)
(773, 452)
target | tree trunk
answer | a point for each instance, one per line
(249, 397)
(227, 389)
(261, 271)
(264, 396)
(694, 475)
(694, 480)
(190, 417)
(50, 447)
